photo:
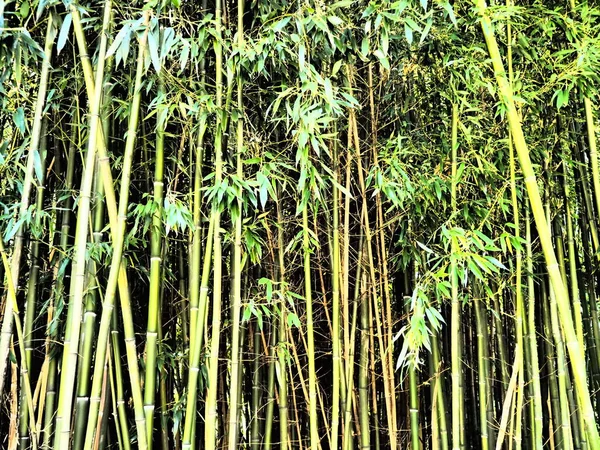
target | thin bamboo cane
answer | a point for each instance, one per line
(120, 400)
(481, 323)
(26, 386)
(236, 294)
(455, 315)
(210, 430)
(196, 349)
(438, 392)
(363, 373)
(282, 353)
(156, 271)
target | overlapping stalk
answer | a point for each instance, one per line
(76, 290)
(156, 271)
(28, 183)
(118, 237)
(236, 291)
(562, 296)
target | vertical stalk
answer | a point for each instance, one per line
(281, 348)
(363, 374)
(455, 351)
(335, 319)
(236, 294)
(312, 376)
(156, 251)
(210, 430)
(32, 291)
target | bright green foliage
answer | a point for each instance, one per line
(299, 224)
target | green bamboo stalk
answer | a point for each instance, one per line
(438, 392)
(481, 324)
(282, 354)
(350, 395)
(71, 341)
(554, 413)
(196, 348)
(562, 296)
(58, 293)
(572, 255)
(255, 411)
(518, 263)
(91, 298)
(113, 397)
(28, 182)
(312, 376)
(270, 406)
(532, 338)
(413, 390)
(210, 429)
(118, 237)
(363, 373)
(236, 290)
(156, 271)
(120, 400)
(457, 421)
(565, 419)
(196, 251)
(335, 320)
(26, 386)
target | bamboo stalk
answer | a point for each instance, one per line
(156, 271)
(236, 294)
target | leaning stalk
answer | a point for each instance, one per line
(118, 239)
(562, 296)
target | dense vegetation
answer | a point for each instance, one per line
(308, 224)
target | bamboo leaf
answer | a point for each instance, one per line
(64, 33)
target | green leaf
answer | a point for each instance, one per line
(382, 59)
(280, 25)
(64, 33)
(37, 165)
(19, 119)
(335, 21)
(153, 47)
(336, 67)
(117, 40)
(408, 32)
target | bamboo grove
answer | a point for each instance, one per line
(299, 225)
